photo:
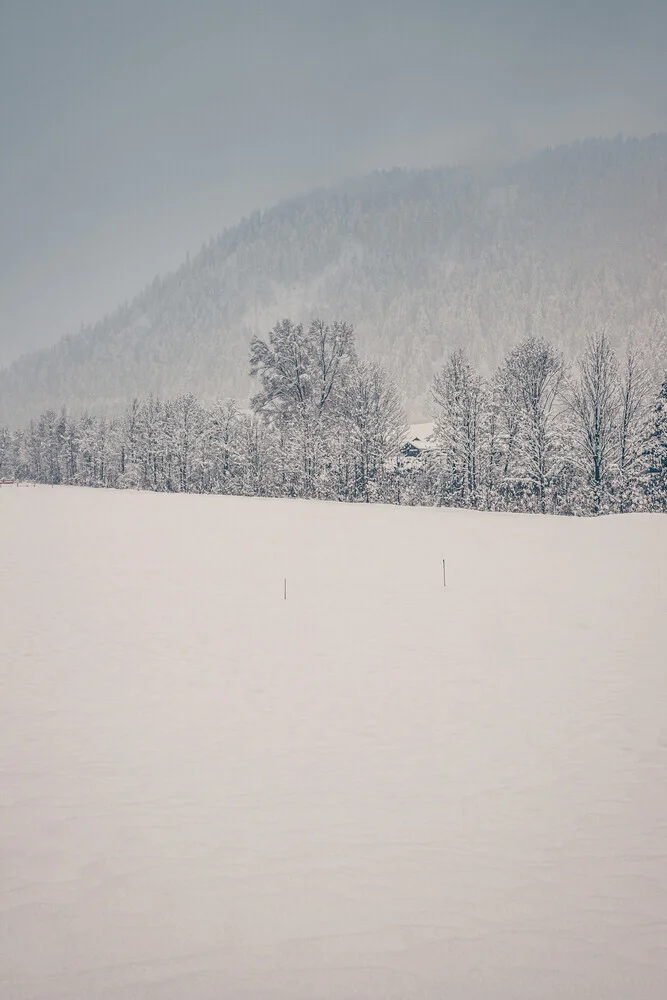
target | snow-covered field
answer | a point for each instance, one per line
(379, 788)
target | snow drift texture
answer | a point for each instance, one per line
(379, 788)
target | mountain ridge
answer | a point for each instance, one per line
(419, 261)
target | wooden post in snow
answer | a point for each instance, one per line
(285, 589)
(444, 574)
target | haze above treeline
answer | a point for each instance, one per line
(133, 133)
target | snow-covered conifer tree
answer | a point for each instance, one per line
(656, 454)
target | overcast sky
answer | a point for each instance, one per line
(132, 130)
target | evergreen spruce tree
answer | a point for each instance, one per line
(656, 454)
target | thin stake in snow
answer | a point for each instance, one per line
(444, 575)
(285, 589)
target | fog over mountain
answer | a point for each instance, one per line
(421, 262)
(134, 132)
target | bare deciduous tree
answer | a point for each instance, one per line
(531, 380)
(458, 393)
(301, 373)
(374, 424)
(298, 366)
(634, 390)
(594, 403)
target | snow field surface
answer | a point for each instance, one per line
(379, 788)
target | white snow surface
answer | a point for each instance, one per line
(379, 788)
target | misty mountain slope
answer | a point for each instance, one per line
(418, 261)
(379, 788)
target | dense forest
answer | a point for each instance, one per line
(536, 435)
(424, 262)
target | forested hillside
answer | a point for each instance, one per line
(421, 262)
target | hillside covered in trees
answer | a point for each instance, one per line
(421, 262)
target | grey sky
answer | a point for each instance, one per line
(132, 130)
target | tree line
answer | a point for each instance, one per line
(536, 436)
